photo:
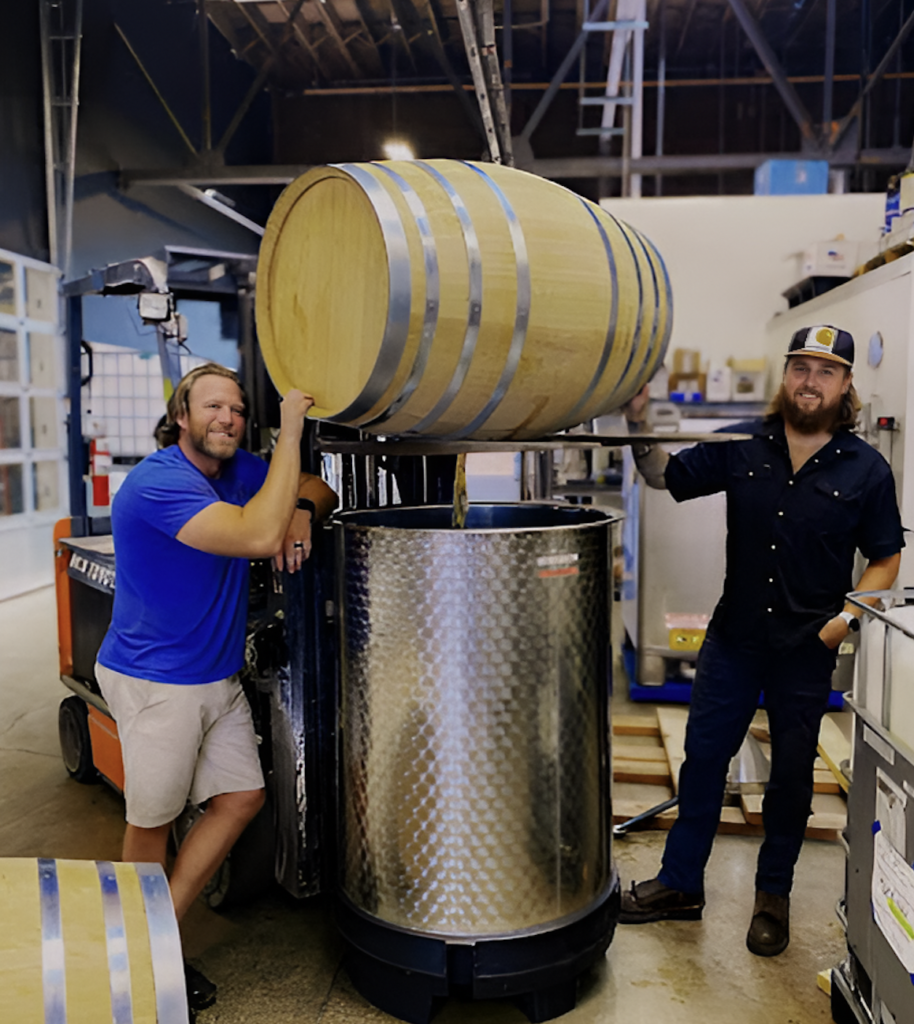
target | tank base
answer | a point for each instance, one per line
(411, 976)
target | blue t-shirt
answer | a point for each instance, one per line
(179, 613)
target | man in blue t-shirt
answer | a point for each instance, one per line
(186, 522)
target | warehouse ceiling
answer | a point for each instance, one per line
(315, 43)
(275, 86)
(726, 80)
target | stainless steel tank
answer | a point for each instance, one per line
(475, 784)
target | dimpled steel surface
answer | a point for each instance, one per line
(475, 789)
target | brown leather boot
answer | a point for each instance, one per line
(769, 932)
(653, 901)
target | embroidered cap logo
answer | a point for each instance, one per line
(825, 336)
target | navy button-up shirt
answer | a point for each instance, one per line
(791, 537)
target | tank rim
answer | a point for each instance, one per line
(594, 518)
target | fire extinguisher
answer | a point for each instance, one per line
(99, 465)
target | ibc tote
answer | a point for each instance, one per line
(454, 299)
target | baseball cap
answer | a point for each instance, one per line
(824, 342)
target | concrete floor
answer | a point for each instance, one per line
(279, 961)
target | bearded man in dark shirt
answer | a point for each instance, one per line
(804, 494)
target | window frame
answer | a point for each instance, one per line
(27, 455)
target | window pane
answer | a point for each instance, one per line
(40, 294)
(9, 356)
(44, 422)
(47, 485)
(7, 288)
(11, 490)
(42, 361)
(10, 436)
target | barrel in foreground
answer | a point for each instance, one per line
(87, 941)
(460, 300)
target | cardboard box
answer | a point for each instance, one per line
(687, 387)
(747, 380)
(686, 361)
(791, 178)
(830, 259)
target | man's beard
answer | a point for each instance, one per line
(220, 447)
(808, 421)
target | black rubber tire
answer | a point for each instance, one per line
(75, 741)
(249, 869)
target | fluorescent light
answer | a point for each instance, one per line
(397, 150)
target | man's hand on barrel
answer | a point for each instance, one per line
(635, 409)
(296, 545)
(292, 410)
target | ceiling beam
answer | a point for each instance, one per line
(300, 35)
(841, 128)
(685, 25)
(327, 13)
(259, 81)
(363, 13)
(559, 167)
(788, 94)
(704, 163)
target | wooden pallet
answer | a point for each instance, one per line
(648, 756)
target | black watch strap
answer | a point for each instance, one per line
(307, 505)
(853, 623)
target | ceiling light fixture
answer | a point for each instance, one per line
(398, 150)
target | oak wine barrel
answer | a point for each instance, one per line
(454, 299)
(83, 942)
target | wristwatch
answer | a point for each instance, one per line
(307, 505)
(853, 623)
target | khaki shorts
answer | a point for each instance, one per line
(180, 743)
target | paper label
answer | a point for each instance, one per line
(893, 899)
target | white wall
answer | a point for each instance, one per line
(731, 257)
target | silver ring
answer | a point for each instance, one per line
(298, 544)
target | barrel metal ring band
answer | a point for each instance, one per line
(164, 945)
(432, 295)
(116, 943)
(668, 295)
(613, 315)
(655, 327)
(396, 329)
(474, 313)
(639, 319)
(52, 957)
(522, 311)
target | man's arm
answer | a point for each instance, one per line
(879, 574)
(650, 459)
(296, 545)
(257, 529)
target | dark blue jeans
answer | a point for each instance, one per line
(725, 695)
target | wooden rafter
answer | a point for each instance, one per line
(367, 36)
(332, 23)
(302, 37)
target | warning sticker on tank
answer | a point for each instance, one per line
(557, 565)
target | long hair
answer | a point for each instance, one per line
(167, 430)
(848, 410)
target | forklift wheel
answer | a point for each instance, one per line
(75, 742)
